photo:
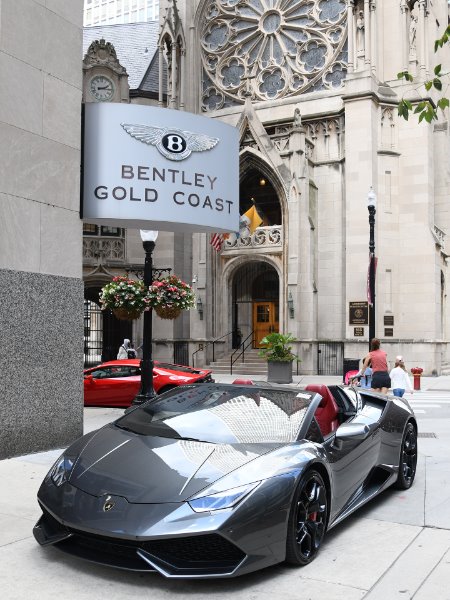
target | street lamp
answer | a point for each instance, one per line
(371, 205)
(147, 391)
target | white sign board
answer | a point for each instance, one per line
(154, 168)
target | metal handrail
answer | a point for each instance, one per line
(244, 347)
(207, 344)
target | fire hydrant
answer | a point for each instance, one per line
(417, 374)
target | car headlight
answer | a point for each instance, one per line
(60, 471)
(221, 500)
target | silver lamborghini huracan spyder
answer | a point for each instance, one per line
(216, 480)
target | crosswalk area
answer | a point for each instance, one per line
(427, 401)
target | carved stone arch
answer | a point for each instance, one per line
(234, 264)
(231, 270)
(251, 160)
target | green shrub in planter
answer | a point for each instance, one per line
(278, 347)
(279, 356)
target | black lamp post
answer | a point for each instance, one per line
(147, 391)
(371, 205)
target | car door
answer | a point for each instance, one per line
(351, 459)
(123, 386)
(97, 386)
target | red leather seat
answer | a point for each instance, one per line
(327, 411)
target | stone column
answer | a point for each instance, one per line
(160, 74)
(350, 36)
(404, 41)
(367, 27)
(373, 36)
(421, 33)
(427, 43)
(182, 76)
(173, 87)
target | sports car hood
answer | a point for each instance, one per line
(148, 469)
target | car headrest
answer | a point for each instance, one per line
(321, 389)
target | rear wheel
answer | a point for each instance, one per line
(408, 459)
(307, 519)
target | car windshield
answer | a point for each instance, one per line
(222, 414)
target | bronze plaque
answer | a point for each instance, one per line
(389, 320)
(358, 313)
(389, 332)
(358, 331)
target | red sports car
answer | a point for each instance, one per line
(116, 383)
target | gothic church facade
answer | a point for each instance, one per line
(313, 89)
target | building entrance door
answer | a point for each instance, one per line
(265, 320)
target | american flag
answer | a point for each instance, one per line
(216, 241)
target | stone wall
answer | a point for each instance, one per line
(41, 324)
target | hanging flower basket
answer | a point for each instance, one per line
(169, 296)
(124, 297)
(168, 312)
(124, 314)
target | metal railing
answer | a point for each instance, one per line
(206, 344)
(244, 345)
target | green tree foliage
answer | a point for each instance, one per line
(426, 109)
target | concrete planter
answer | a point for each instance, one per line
(279, 372)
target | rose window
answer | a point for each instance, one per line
(271, 49)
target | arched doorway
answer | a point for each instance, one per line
(103, 333)
(256, 189)
(255, 302)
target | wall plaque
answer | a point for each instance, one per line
(388, 332)
(358, 313)
(358, 331)
(389, 320)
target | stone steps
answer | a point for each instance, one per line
(252, 365)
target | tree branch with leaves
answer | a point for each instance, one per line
(427, 109)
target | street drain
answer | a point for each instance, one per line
(427, 435)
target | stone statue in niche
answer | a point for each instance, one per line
(360, 32)
(412, 34)
(297, 118)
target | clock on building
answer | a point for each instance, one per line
(101, 88)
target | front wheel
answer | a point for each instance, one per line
(307, 519)
(408, 459)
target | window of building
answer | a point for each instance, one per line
(90, 229)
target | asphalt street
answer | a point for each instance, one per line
(397, 547)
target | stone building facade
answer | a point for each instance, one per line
(41, 286)
(312, 87)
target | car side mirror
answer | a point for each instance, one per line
(89, 379)
(352, 431)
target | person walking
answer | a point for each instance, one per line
(123, 350)
(400, 381)
(377, 359)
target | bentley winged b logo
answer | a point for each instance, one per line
(171, 142)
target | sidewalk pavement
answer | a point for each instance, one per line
(396, 547)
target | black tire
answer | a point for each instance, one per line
(408, 459)
(307, 519)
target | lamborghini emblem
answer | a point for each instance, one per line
(109, 504)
